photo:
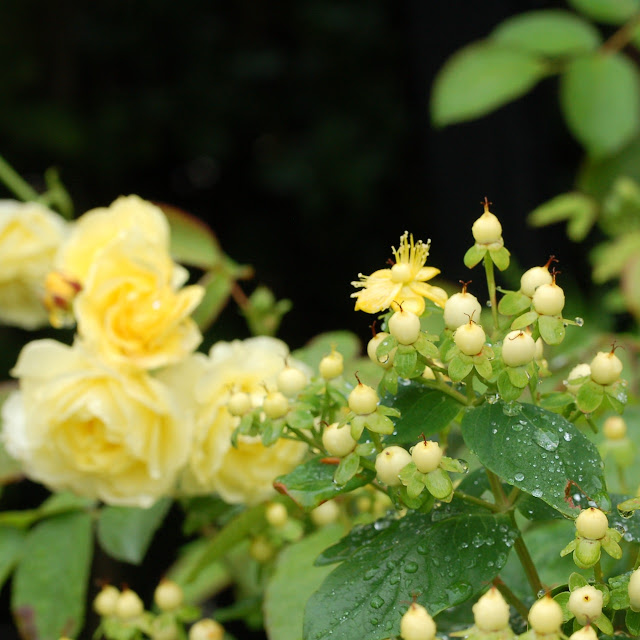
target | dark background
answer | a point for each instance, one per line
(298, 129)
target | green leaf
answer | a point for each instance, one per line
(576, 581)
(610, 258)
(346, 342)
(600, 100)
(311, 483)
(508, 391)
(630, 285)
(480, 78)
(500, 257)
(551, 329)
(580, 210)
(217, 288)
(537, 451)
(347, 468)
(367, 594)
(524, 320)
(474, 255)
(294, 579)
(551, 33)
(518, 376)
(55, 504)
(50, 582)
(422, 410)
(632, 620)
(459, 370)
(513, 303)
(11, 545)
(405, 361)
(589, 396)
(607, 11)
(125, 532)
(379, 423)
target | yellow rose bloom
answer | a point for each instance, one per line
(244, 474)
(30, 235)
(78, 424)
(405, 283)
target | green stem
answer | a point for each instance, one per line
(302, 437)
(375, 437)
(491, 284)
(477, 501)
(511, 598)
(592, 424)
(526, 561)
(621, 479)
(15, 183)
(621, 38)
(498, 491)
(597, 572)
(441, 385)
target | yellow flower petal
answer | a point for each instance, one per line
(426, 273)
(376, 297)
(435, 294)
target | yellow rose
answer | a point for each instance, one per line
(244, 474)
(30, 235)
(78, 424)
(129, 309)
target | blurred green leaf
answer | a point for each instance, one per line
(600, 100)
(11, 545)
(562, 207)
(480, 78)
(630, 284)
(607, 11)
(217, 288)
(264, 313)
(550, 33)
(610, 258)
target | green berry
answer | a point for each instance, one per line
(615, 428)
(206, 629)
(634, 590)
(385, 361)
(276, 514)
(239, 403)
(487, 229)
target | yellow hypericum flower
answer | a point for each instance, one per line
(405, 283)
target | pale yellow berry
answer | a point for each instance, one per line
(337, 440)
(276, 514)
(417, 624)
(206, 629)
(592, 524)
(586, 604)
(459, 308)
(385, 361)
(545, 616)
(291, 381)
(491, 612)
(389, 463)
(533, 278)
(128, 605)
(548, 299)
(469, 338)
(104, 603)
(427, 456)
(275, 405)
(579, 371)
(326, 513)
(168, 595)
(539, 349)
(261, 549)
(239, 403)
(404, 326)
(615, 428)
(518, 349)
(487, 229)
(586, 633)
(634, 590)
(363, 400)
(606, 368)
(331, 366)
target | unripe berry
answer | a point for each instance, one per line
(417, 624)
(276, 514)
(105, 602)
(459, 308)
(592, 524)
(239, 403)
(545, 616)
(389, 463)
(487, 229)
(385, 361)
(404, 326)
(427, 456)
(615, 428)
(533, 278)
(168, 595)
(331, 366)
(469, 338)
(363, 400)
(275, 405)
(579, 371)
(634, 590)
(327, 513)
(206, 629)
(128, 605)
(491, 612)
(606, 368)
(261, 550)
(548, 299)
(518, 348)
(586, 604)
(337, 440)
(586, 633)
(291, 381)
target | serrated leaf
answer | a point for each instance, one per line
(365, 596)
(480, 78)
(607, 11)
(50, 582)
(311, 483)
(537, 451)
(422, 410)
(126, 532)
(549, 33)
(293, 581)
(600, 100)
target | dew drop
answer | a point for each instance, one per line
(376, 602)
(579, 321)
(537, 493)
(411, 567)
(423, 549)
(488, 303)
(374, 621)
(519, 477)
(567, 436)
(370, 574)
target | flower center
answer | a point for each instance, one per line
(401, 272)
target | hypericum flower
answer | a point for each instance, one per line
(405, 283)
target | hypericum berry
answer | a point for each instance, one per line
(404, 326)
(261, 550)
(239, 403)
(417, 624)
(586, 633)
(128, 605)
(332, 365)
(615, 428)
(363, 400)
(606, 368)
(545, 615)
(206, 629)
(337, 440)
(389, 463)
(104, 603)
(548, 299)
(327, 513)
(518, 349)
(592, 524)
(586, 604)
(634, 590)
(427, 456)
(487, 228)
(385, 361)
(539, 349)
(275, 405)
(168, 595)
(291, 381)
(276, 514)
(535, 277)
(460, 307)
(491, 612)
(579, 371)
(469, 338)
